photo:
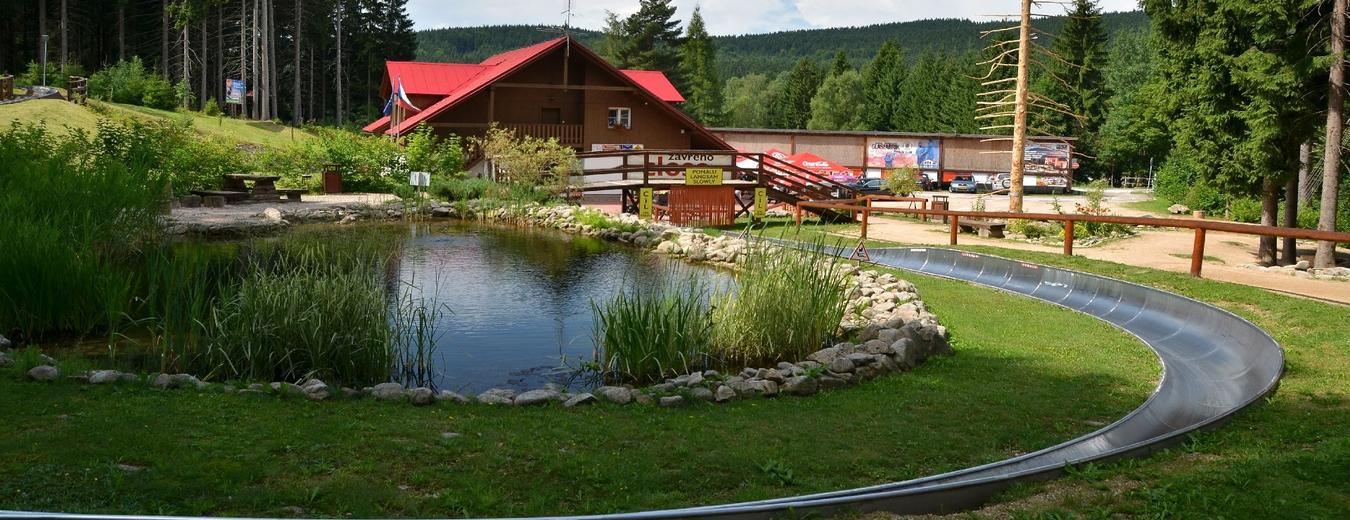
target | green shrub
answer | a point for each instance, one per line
(211, 108)
(451, 189)
(787, 304)
(32, 74)
(1202, 196)
(428, 153)
(367, 163)
(599, 220)
(1174, 180)
(123, 82)
(901, 181)
(644, 336)
(159, 93)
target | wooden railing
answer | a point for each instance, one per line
(864, 207)
(565, 134)
(6, 87)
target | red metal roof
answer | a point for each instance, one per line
(655, 82)
(377, 126)
(457, 81)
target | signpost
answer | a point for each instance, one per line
(703, 176)
(645, 203)
(761, 203)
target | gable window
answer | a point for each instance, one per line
(620, 117)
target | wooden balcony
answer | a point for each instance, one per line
(565, 134)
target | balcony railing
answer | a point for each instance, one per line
(565, 134)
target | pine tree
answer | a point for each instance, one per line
(698, 67)
(840, 64)
(917, 109)
(791, 107)
(838, 104)
(957, 101)
(1134, 129)
(881, 85)
(1237, 93)
(647, 40)
(1075, 79)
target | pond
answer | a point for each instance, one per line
(517, 302)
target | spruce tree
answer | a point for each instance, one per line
(1134, 129)
(791, 106)
(648, 39)
(840, 65)
(838, 104)
(881, 86)
(698, 67)
(917, 107)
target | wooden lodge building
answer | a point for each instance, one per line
(558, 88)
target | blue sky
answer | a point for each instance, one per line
(723, 16)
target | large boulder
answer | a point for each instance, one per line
(497, 396)
(614, 394)
(421, 396)
(44, 373)
(537, 397)
(387, 392)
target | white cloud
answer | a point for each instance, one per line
(722, 16)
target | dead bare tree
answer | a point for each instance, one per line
(998, 102)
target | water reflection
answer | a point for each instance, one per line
(520, 299)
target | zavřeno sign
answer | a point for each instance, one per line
(885, 153)
(672, 165)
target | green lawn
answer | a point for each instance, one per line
(135, 450)
(811, 230)
(1155, 205)
(1286, 458)
(58, 114)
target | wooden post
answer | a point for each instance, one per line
(865, 215)
(797, 210)
(1198, 252)
(1068, 238)
(956, 228)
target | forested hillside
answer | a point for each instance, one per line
(760, 53)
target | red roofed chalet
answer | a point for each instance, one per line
(586, 103)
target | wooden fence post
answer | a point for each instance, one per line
(956, 228)
(1068, 238)
(1198, 252)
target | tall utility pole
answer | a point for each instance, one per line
(296, 116)
(243, 54)
(341, 119)
(1331, 171)
(1019, 141)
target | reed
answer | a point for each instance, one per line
(786, 305)
(643, 336)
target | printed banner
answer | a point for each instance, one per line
(1048, 158)
(645, 203)
(703, 176)
(235, 90)
(615, 147)
(887, 153)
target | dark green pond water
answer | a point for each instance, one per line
(519, 300)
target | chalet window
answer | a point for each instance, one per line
(620, 117)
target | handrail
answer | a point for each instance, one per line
(1197, 250)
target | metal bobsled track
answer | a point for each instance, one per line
(1214, 365)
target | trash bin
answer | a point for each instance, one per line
(332, 179)
(940, 204)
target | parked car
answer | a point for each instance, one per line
(963, 183)
(870, 187)
(1001, 181)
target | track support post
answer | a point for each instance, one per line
(1068, 238)
(1198, 252)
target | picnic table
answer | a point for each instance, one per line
(264, 186)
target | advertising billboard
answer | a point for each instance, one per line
(235, 90)
(888, 153)
(1048, 159)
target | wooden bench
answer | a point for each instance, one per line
(231, 196)
(985, 228)
(292, 194)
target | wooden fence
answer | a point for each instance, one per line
(865, 208)
(6, 87)
(77, 90)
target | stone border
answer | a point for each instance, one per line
(896, 330)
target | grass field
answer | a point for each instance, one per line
(135, 450)
(60, 114)
(1155, 206)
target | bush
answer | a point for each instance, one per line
(599, 220)
(428, 153)
(451, 189)
(1202, 196)
(644, 336)
(211, 108)
(367, 163)
(901, 182)
(788, 304)
(159, 93)
(1174, 180)
(32, 75)
(124, 82)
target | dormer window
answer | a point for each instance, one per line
(620, 117)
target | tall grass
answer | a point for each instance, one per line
(787, 304)
(642, 336)
(71, 222)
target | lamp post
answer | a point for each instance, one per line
(44, 59)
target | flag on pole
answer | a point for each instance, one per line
(403, 97)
